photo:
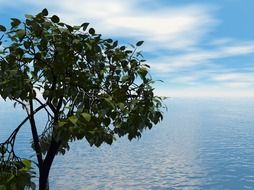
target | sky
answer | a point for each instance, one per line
(198, 48)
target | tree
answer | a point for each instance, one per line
(90, 88)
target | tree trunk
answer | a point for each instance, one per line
(43, 181)
(44, 175)
(46, 165)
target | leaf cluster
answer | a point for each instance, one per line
(16, 175)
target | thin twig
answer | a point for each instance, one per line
(44, 107)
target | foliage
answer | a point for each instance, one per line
(89, 87)
(16, 175)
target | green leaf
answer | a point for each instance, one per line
(142, 72)
(61, 123)
(85, 25)
(115, 44)
(44, 12)
(86, 116)
(15, 22)
(128, 51)
(47, 25)
(91, 31)
(24, 170)
(109, 101)
(148, 66)
(2, 28)
(70, 28)
(121, 106)
(88, 46)
(27, 166)
(21, 34)
(139, 43)
(73, 119)
(76, 27)
(30, 17)
(27, 44)
(109, 40)
(106, 121)
(2, 149)
(27, 163)
(61, 24)
(10, 178)
(122, 48)
(125, 78)
(55, 19)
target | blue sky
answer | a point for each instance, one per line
(198, 48)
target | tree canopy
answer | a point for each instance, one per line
(90, 87)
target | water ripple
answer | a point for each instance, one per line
(202, 144)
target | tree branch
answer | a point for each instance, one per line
(36, 141)
(23, 105)
(14, 133)
(44, 107)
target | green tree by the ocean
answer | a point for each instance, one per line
(89, 87)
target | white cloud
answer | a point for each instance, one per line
(206, 91)
(190, 79)
(221, 79)
(177, 27)
(221, 41)
(234, 79)
(238, 85)
(175, 63)
(170, 27)
(237, 77)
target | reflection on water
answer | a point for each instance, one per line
(201, 144)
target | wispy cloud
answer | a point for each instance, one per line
(237, 77)
(234, 79)
(161, 27)
(206, 91)
(201, 56)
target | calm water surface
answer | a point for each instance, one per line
(201, 144)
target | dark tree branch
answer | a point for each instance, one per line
(44, 107)
(23, 105)
(36, 141)
(14, 133)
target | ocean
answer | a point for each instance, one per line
(202, 144)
